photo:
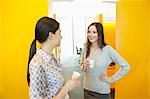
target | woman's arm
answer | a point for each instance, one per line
(70, 85)
(125, 67)
(61, 95)
(37, 84)
(82, 61)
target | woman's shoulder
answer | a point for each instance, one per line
(36, 60)
(108, 47)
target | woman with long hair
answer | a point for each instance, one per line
(96, 83)
(44, 76)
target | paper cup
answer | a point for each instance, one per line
(67, 96)
(91, 61)
(75, 74)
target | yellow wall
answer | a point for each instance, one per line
(110, 33)
(18, 20)
(149, 49)
(132, 43)
(0, 51)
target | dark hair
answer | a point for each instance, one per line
(42, 29)
(101, 42)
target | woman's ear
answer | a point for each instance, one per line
(51, 35)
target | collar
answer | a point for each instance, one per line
(45, 55)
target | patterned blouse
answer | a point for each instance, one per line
(46, 78)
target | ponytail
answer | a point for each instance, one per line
(32, 53)
(42, 29)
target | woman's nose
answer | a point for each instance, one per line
(90, 34)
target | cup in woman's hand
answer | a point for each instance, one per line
(75, 74)
(91, 61)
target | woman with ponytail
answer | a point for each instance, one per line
(44, 76)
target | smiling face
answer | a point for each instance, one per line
(92, 34)
(95, 36)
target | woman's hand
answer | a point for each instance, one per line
(72, 83)
(103, 78)
(85, 64)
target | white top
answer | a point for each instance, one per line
(102, 60)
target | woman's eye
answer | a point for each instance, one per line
(94, 32)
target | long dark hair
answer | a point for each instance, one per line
(42, 29)
(101, 41)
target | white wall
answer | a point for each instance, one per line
(84, 8)
(74, 18)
